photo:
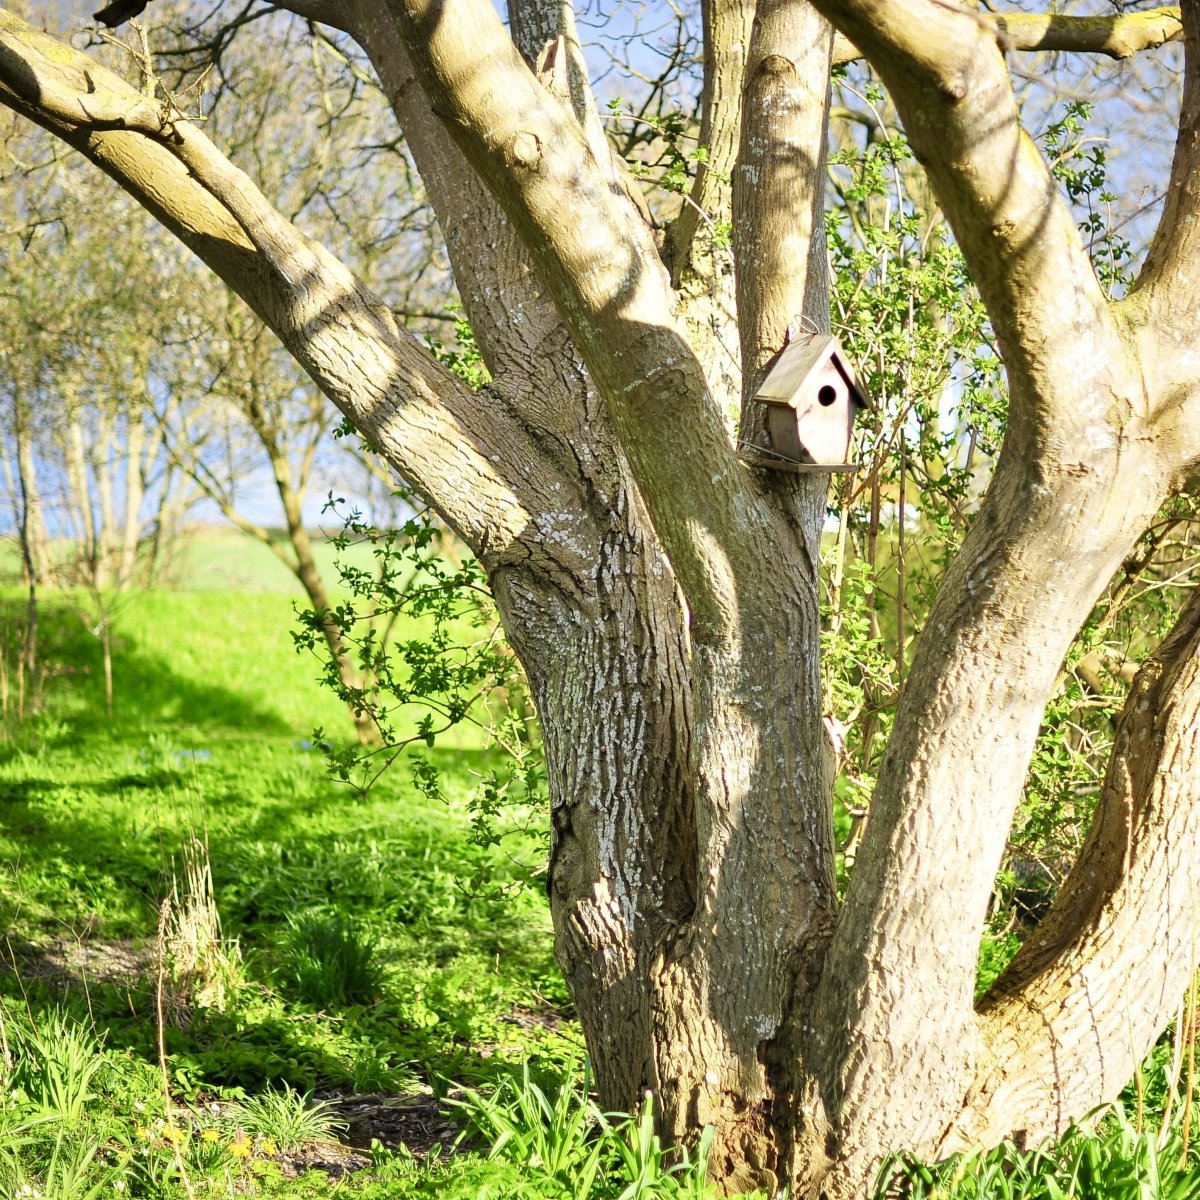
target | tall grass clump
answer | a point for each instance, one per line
(1106, 1158)
(330, 961)
(198, 967)
(285, 1117)
(51, 1064)
(69, 1168)
(56, 1139)
(559, 1143)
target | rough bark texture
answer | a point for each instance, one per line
(663, 596)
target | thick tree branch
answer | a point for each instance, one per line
(727, 28)
(1170, 279)
(1083, 1000)
(326, 12)
(945, 71)
(1078, 438)
(531, 359)
(534, 24)
(779, 180)
(602, 267)
(954, 772)
(1117, 35)
(444, 439)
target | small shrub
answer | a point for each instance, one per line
(286, 1118)
(330, 961)
(55, 1061)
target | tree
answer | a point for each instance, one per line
(663, 595)
(75, 328)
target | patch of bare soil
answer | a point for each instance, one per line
(419, 1124)
(67, 959)
(416, 1122)
(334, 1159)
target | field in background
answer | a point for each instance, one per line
(214, 558)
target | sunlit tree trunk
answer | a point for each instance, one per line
(107, 563)
(33, 543)
(79, 496)
(131, 526)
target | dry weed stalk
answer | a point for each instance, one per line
(197, 966)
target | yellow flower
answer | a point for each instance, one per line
(210, 1135)
(267, 1146)
(239, 1149)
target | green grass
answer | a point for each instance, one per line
(419, 981)
(284, 1117)
(186, 666)
(1106, 1158)
(213, 558)
(330, 961)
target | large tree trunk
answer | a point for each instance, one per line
(688, 919)
(684, 896)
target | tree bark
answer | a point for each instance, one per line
(105, 572)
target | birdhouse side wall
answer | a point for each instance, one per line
(785, 439)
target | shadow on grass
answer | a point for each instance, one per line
(90, 856)
(148, 690)
(93, 816)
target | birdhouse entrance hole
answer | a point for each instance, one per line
(827, 396)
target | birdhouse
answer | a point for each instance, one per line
(812, 396)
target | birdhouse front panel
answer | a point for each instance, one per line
(824, 416)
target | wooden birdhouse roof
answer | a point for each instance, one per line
(803, 357)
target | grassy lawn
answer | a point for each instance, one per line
(353, 961)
